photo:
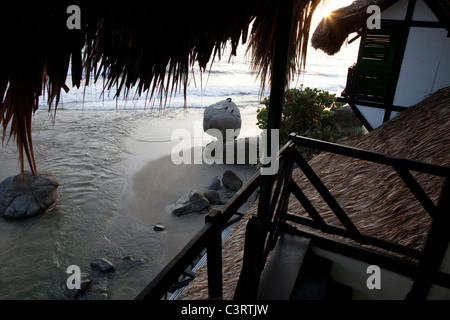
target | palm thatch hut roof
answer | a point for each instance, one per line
(333, 30)
(153, 48)
(374, 197)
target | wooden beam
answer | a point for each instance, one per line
(357, 252)
(307, 205)
(362, 239)
(372, 156)
(418, 192)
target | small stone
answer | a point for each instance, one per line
(214, 184)
(159, 227)
(194, 201)
(226, 194)
(85, 281)
(103, 265)
(213, 196)
(231, 180)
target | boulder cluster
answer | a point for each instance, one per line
(217, 192)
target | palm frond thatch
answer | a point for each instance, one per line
(334, 29)
(153, 48)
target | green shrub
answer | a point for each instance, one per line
(306, 112)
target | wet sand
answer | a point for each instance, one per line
(160, 183)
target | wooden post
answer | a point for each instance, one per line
(248, 284)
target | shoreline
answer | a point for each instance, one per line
(115, 172)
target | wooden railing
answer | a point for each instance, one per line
(400, 165)
(209, 237)
(425, 272)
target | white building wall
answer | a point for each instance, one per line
(353, 273)
(396, 12)
(442, 79)
(425, 52)
(423, 13)
(373, 115)
(393, 286)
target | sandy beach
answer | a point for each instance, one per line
(161, 183)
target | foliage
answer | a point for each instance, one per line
(307, 112)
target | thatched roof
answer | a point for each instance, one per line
(334, 29)
(375, 198)
(129, 44)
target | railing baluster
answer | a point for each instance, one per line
(281, 211)
(326, 195)
(417, 190)
(307, 205)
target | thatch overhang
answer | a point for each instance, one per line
(128, 44)
(333, 30)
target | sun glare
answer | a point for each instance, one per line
(326, 7)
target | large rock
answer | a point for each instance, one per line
(32, 196)
(194, 201)
(346, 120)
(221, 116)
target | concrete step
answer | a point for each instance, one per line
(280, 273)
(314, 281)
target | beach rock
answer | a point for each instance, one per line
(159, 227)
(222, 115)
(231, 180)
(194, 201)
(30, 197)
(85, 281)
(213, 196)
(103, 265)
(226, 194)
(346, 119)
(245, 151)
(214, 184)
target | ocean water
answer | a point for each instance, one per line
(94, 145)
